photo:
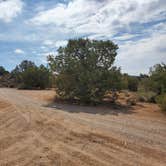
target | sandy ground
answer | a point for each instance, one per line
(33, 133)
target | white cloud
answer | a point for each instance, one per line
(138, 56)
(141, 45)
(61, 43)
(48, 53)
(125, 37)
(48, 43)
(19, 51)
(103, 18)
(54, 44)
(43, 56)
(9, 9)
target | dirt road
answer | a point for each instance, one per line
(33, 133)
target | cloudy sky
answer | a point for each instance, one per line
(32, 29)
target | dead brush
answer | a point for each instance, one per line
(131, 101)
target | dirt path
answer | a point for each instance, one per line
(35, 134)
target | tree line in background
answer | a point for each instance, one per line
(26, 75)
(83, 71)
(29, 76)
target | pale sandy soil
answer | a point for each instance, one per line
(35, 134)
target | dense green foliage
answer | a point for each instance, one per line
(146, 96)
(161, 100)
(5, 78)
(154, 85)
(158, 84)
(3, 71)
(28, 76)
(85, 70)
(158, 78)
(133, 83)
(130, 82)
(156, 81)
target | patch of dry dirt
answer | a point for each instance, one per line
(33, 133)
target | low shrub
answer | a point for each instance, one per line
(127, 94)
(29, 76)
(147, 97)
(131, 101)
(161, 101)
(142, 99)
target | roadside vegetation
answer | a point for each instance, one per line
(3, 71)
(29, 76)
(156, 84)
(84, 72)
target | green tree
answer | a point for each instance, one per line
(29, 76)
(85, 69)
(17, 73)
(133, 83)
(130, 82)
(154, 85)
(158, 78)
(44, 77)
(161, 100)
(3, 71)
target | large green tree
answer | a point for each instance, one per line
(85, 69)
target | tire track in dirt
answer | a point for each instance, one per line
(32, 134)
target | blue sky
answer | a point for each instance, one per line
(33, 29)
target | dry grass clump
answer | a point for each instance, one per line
(131, 101)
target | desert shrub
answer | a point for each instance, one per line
(85, 70)
(29, 76)
(146, 96)
(125, 81)
(130, 82)
(161, 100)
(153, 87)
(6, 81)
(158, 78)
(112, 97)
(127, 94)
(3, 71)
(156, 81)
(133, 83)
(142, 99)
(131, 101)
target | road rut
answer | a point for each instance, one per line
(34, 132)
